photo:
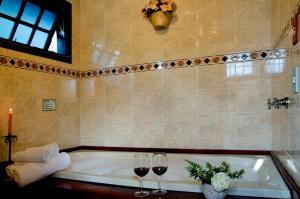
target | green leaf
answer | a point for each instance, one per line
(205, 174)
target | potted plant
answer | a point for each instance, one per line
(159, 13)
(215, 179)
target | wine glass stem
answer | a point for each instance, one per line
(141, 184)
(159, 187)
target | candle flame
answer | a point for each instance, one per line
(10, 110)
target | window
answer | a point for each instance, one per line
(39, 27)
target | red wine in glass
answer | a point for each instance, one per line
(159, 167)
(141, 168)
(141, 171)
(159, 170)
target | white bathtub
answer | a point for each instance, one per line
(261, 178)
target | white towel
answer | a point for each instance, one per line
(36, 154)
(26, 173)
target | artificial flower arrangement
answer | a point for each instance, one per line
(167, 6)
(159, 12)
(212, 177)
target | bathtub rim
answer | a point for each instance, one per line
(169, 150)
(288, 179)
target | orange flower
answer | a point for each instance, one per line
(152, 5)
(166, 8)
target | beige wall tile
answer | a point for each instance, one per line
(91, 55)
(118, 105)
(218, 121)
(217, 101)
(181, 101)
(147, 125)
(148, 82)
(251, 13)
(252, 38)
(254, 120)
(180, 79)
(92, 127)
(152, 103)
(119, 84)
(118, 126)
(181, 125)
(215, 40)
(252, 99)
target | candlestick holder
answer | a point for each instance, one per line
(9, 139)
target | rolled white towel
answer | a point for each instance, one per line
(36, 154)
(26, 173)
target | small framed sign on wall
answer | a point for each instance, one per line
(49, 104)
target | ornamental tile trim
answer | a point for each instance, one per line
(188, 62)
(153, 66)
(38, 67)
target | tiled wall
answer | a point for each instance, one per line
(23, 90)
(212, 106)
(206, 106)
(116, 33)
(286, 131)
(196, 107)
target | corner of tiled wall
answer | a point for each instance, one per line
(285, 122)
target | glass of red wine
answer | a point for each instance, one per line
(159, 167)
(141, 168)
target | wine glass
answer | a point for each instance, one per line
(141, 168)
(159, 167)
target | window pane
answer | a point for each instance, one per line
(10, 7)
(53, 45)
(39, 39)
(58, 42)
(22, 34)
(5, 27)
(31, 13)
(61, 46)
(47, 20)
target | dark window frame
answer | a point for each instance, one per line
(63, 11)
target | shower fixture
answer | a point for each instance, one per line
(277, 103)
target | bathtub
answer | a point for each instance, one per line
(116, 168)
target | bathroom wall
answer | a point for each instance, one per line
(212, 106)
(178, 108)
(23, 90)
(116, 33)
(286, 132)
(193, 107)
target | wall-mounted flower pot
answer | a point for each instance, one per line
(160, 20)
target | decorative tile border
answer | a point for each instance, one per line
(189, 62)
(159, 65)
(35, 66)
(287, 28)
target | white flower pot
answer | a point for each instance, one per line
(210, 193)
